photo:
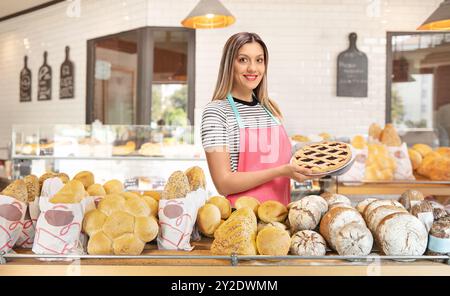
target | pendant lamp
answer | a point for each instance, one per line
(208, 14)
(439, 19)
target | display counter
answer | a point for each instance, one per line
(200, 262)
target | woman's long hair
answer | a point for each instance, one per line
(225, 78)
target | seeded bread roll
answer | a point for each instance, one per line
(334, 220)
(361, 206)
(304, 215)
(17, 190)
(402, 234)
(272, 211)
(308, 243)
(354, 239)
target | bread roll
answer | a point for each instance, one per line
(332, 198)
(85, 177)
(415, 157)
(17, 190)
(146, 228)
(402, 234)
(308, 243)
(96, 190)
(118, 223)
(320, 202)
(100, 244)
(237, 234)
(272, 211)
(177, 186)
(304, 215)
(208, 219)
(354, 239)
(361, 206)
(359, 142)
(156, 195)
(424, 212)
(196, 178)
(389, 136)
(152, 204)
(113, 186)
(444, 151)
(334, 220)
(93, 222)
(410, 197)
(32, 183)
(378, 203)
(375, 132)
(128, 244)
(273, 241)
(247, 201)
(423, 149)
(223, 204)
(137, 207)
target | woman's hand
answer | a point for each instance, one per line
(296, 172)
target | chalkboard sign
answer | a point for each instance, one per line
(352, 71)
(25, 82)
(45, 81)
(66, 82)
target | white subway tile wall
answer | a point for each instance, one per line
(304, 38)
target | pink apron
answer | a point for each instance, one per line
(263, 148)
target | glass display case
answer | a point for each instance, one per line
(142, 156)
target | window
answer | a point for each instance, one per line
(144, 76)
(418, 92)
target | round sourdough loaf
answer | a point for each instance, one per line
(308, 243)
(335, 219)
(379, 213)
(354, 239)
(361, 206)
(402, 234)
(378, 203)
(273, 241)
(304, 215)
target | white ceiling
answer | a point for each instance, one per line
(8, 7)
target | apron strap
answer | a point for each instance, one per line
(238, 116)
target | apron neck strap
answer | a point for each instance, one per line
(238, 116)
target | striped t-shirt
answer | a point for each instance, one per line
(220, 127)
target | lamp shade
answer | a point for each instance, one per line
(208, 14)
(439, 19)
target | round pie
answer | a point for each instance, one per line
(323, 157)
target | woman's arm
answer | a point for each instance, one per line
(228, 182)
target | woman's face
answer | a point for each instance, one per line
(249, 67)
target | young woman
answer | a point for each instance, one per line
(247, 148)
